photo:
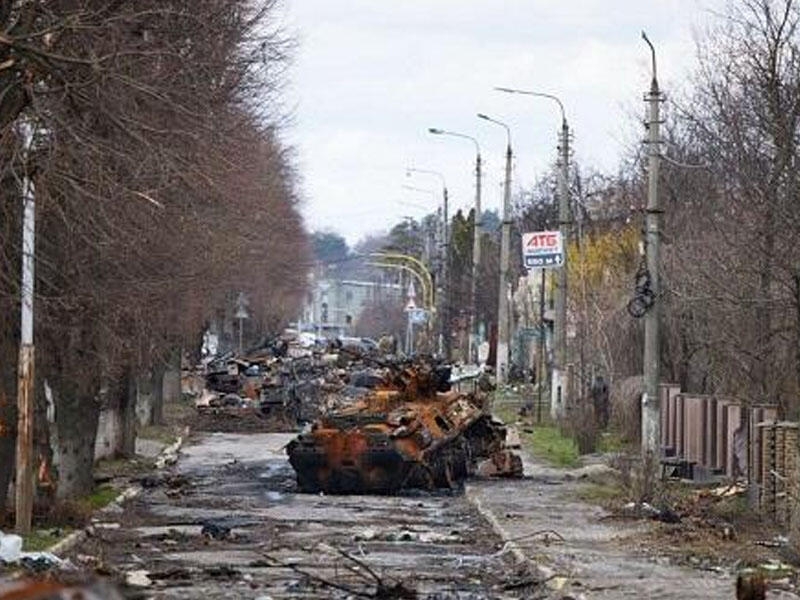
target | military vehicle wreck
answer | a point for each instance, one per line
(412, 431)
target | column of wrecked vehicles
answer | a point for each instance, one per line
(370, 423)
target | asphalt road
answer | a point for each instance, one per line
(283, 544)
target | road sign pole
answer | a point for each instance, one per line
(557, 401)
(541, 369)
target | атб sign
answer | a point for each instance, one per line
(542, 249)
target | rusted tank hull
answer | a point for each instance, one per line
(411, 433)
(347, 464)
(362, 462)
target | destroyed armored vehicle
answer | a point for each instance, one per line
(411, 432)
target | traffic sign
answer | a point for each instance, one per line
(418, 316)
(542, 249)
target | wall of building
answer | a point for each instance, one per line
(331, 301)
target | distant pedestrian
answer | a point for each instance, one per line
(599, 392)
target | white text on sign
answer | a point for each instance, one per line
(542, 249)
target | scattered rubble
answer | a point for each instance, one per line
(283, 384)
(11, 553)
(645, 510)
(139, 578)
(215, 531)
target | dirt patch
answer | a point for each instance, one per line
(236, 421)
(718, 531)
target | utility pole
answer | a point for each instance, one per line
(476, 263)
(559, 387)
(476, 243)
(557, 400)
(503, 325)
(651, 420)
(444, 315)
(503, 312)
(442, 284)
(25, 374)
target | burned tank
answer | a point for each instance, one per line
(412, 431)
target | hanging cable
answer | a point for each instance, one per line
(643, 297)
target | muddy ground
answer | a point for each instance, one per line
(288, 545)
(236, 421)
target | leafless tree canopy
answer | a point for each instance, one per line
(731, 267)
(162, 186)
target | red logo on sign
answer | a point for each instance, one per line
(543, 240)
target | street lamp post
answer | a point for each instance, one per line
(443, 283)
(476, 243)
(503, 324)
(651, 434)
(431, 245)
(560, 333)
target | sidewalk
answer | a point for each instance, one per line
(597, 559)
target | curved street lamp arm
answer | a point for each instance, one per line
(422, 269)
(497, 122)
(426, 293)
(411, 170)
(538, 95)
(653, 56)
(437, 131)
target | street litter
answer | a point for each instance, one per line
(645, 510)
(10, 547)
(11, 553)
(38, 562)
(407, 535)
(139, 578)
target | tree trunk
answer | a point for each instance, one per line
(172, 377)
(8, 428)
(43, 447)
(157, 414)
(797, 330)
(76, 419)
(127, 415)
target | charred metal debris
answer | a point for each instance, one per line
(372, 424)
(410, 431)
(287, 382)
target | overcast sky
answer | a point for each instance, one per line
(371, 76)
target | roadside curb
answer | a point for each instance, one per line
(487, 514)
(167, 457)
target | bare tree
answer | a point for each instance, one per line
(162, 187)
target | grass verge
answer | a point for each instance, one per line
(101, 497)
(602, 494)
(159, 433)
(543, 440)
(547, 442)
(612, 442)
(40, 540)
